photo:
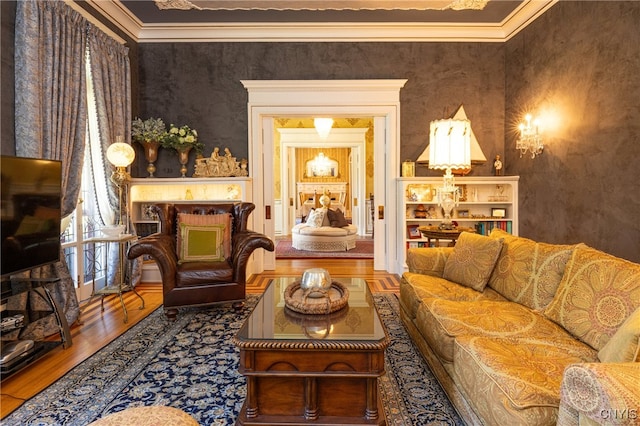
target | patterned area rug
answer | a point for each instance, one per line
(363, 250)
(191, 364)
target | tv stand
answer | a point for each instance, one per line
(30, 353)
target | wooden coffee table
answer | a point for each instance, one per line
(312, 369)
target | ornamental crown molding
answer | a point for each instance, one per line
(123, 18)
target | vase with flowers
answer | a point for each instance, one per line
(183, 139)
(149, 133)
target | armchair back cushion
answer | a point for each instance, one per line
(208, 220)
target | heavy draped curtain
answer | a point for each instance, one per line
(51, 109)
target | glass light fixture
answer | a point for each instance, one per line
(323, 126)
(450, 148)
(530, 138)
(121, 155)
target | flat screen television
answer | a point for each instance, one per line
(31, 198)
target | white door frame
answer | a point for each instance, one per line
(353, 139)
(379, 99)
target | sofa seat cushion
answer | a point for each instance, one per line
(597, 294)
(327, 231)
(416, 287)
(441, 322)
(194, 274)
(528, 272)
(513, 381)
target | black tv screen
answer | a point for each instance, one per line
(31, 213)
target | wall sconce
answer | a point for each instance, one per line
(121, 155)
(450, 148)
(323, 126)
(530, 139)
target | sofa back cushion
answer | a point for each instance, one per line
(473, 258)
(528, 272)
(598, 292)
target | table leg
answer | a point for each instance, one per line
(310, 398)
(372, 399)
(250, 401)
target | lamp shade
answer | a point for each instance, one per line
(450, 144)
(120, 154)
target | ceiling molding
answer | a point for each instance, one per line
(321, 32)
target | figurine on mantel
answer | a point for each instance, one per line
(218, 165)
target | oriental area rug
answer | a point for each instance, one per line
(192, 364)
(363, 250)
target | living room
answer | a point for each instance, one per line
(575, 64)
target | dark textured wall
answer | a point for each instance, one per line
(7, 127)
(579, 64)
(199, 84)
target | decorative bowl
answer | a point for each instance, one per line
(112, 230)
(316, 281)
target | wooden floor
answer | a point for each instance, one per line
(97, 328)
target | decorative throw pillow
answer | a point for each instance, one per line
(201, 243)
(336, 218)
(597, 294)
(624, 345)
(315, 218)
(528, 272)
(209, 219)
(472, 261)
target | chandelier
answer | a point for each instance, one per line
(530, 139)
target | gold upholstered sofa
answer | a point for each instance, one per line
(520, 332)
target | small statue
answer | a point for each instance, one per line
(220, 166)
(497, 165)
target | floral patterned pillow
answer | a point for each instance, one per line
(597, 294)
(472, 261)
(528, 272)
(316, 217)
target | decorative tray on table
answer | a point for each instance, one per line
(315, 301)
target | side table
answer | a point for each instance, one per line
(123, 241)
(437, 234)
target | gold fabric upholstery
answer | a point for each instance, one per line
(597, 294)
(528, 272)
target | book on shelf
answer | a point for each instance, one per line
(485, 227)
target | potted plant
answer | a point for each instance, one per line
(149, 133)
(183, 139)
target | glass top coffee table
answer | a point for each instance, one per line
(317, 369)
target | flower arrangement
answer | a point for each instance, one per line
(181, 137)
(147, 131)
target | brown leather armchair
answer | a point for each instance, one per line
(201, 283)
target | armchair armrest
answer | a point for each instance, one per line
(605, 393)
(162, 248)
(244, 243)
(428, 260)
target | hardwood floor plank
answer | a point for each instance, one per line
(97, 328)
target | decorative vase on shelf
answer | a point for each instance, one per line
(151, 155)
(183, 154)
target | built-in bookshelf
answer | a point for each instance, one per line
(485, 203)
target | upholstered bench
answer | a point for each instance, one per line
(324, 230)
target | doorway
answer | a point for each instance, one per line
(336, 98)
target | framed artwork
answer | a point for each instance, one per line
(462, 213)
(498, 212)
(413, 232)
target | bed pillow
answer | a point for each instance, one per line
(336, 218)
(209, 219)
(472, 261)
(201, 243)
